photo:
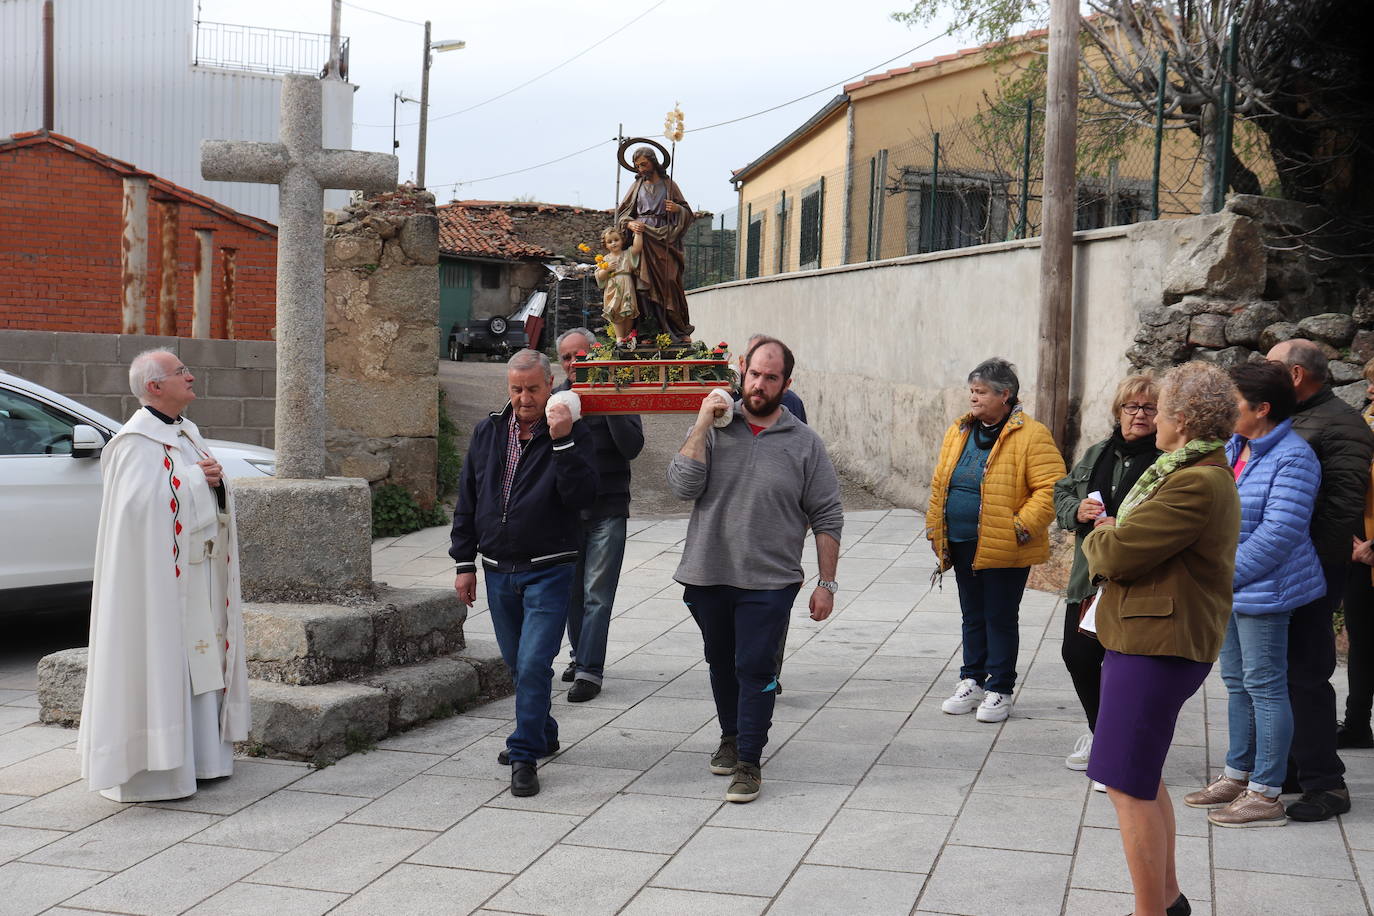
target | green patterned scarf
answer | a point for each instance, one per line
(1164, 465)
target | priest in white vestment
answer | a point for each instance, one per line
(167, 682)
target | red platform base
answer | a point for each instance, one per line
(647, 389)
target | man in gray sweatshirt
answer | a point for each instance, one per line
(757, 483)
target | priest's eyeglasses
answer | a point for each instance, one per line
(1148, 410)
(179, 370)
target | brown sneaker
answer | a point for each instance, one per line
(1220, 793)
(1251, 809)
(744, 786)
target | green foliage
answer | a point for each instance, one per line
(450, 461)
(981, 20)
(395, 512)
(357, 741)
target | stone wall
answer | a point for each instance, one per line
(1238, 283)
(381, 311)
(235, 379)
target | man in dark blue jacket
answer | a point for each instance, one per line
(525, 479)
(618, 440)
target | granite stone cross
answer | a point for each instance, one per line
(302, 169)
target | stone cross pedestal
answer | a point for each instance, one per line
(301, 536)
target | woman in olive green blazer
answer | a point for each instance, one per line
(1165, 564)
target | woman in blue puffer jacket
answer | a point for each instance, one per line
(1277, 570)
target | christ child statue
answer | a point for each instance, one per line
(615, 274)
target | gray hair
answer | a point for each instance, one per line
(999, 375)
(588, 335)
(1304, 353)
(144, 369)
(529, 359)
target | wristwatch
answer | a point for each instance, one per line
(829, 585)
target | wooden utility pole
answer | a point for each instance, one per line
(1056, 243)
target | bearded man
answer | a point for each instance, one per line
(167, 682)
(757, 483)
(655, 209)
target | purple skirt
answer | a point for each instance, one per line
(1141, 697)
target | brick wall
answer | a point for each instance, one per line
(236, 380)
(60, 250)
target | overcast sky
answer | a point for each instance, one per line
(721, 59)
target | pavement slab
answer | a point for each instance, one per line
(874, 801)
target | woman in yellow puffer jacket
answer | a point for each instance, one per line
(991, 505)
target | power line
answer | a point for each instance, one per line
(531, 168)
(533, 79)
(826, 88)
(363, 9)
(770, 109)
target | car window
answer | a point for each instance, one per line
(29, 427)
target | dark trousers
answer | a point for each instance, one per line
(740, 629)
(990, 605)
(1312, 760)
(1083, 657)
(1359, 626)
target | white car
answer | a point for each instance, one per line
(50, 492)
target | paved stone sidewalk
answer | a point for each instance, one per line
(873, 801)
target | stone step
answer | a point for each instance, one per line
(322, 722)
(303, 644)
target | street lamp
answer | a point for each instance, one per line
(424, 98)
(396, 98)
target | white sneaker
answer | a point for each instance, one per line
(1078, 760)
(995, 707)
(964, 700)
(1098, 787)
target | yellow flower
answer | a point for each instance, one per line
(583, 247)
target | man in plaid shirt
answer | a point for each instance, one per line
(525, 480)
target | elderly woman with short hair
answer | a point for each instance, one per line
(1166, 562)
(1095, 487)
(991, 505)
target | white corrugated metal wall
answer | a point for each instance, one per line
(125, 84)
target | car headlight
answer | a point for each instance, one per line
(267, 466)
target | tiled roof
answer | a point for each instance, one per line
(487, 228)
(125, 170)
(942, 59)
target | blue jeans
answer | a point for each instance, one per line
(1259, 719)
(990, 608)
(593, 595)
(528, 613)
(740, 628)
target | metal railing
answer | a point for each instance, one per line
(260, 50)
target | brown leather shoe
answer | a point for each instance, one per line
(1251, 809)
(1220, 793)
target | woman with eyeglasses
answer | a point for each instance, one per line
(1093, 489)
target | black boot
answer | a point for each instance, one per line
(524, 779)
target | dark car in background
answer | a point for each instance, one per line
(495, 336)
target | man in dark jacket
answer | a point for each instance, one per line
(618, 440)
(525, 479)
(1344, 446)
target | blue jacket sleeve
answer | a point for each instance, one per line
(463, 535)
(1287, 515)
(574, 467)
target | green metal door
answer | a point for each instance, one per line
(455, 299)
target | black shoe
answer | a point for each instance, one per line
(1354, 735)
(1180, 907)
(524, 779)
(582, 691)
(570, 672)
(503, 758)
(1321, 805)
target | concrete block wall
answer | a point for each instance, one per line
(883, 348)
(235, 379)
